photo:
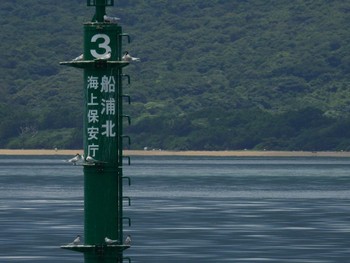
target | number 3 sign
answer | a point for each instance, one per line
(103, 45)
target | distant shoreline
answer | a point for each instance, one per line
(246, 153)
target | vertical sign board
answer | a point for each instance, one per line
(101, 93)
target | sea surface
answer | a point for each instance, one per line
(186, 209)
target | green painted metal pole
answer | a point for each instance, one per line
(103, 142)
(100, 10)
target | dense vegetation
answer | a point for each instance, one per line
(215, 74)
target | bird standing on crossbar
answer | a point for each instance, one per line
(127, 240)
(128, 58)
(81, 57)
(90, 160)
(75, 159)
(76, 241)
(110, 241)
(111, 19)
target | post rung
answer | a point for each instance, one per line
(129, 220)
(128, 118)
(128, 98)
(127, 198)
(127, 137)
(127, 178)
(125, 35)
(128, 77)
(129, 159)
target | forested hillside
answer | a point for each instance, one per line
(215, 74)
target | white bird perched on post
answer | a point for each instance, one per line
(127, 240)
(75, 159)
(76, 241)
(105, 56)
(89, 159)
(110, 19)
(110, 241)
(128, 58)
(81, 57)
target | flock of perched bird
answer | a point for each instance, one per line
(79, 159)
(108, 241)
(126, 57)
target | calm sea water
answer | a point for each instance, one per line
(186, 209)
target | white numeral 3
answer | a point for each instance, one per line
(104, 45)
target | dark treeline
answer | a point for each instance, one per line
(215, 75)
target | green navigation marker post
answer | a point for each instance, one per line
(103, 138)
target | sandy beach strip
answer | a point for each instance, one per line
(247, 153)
